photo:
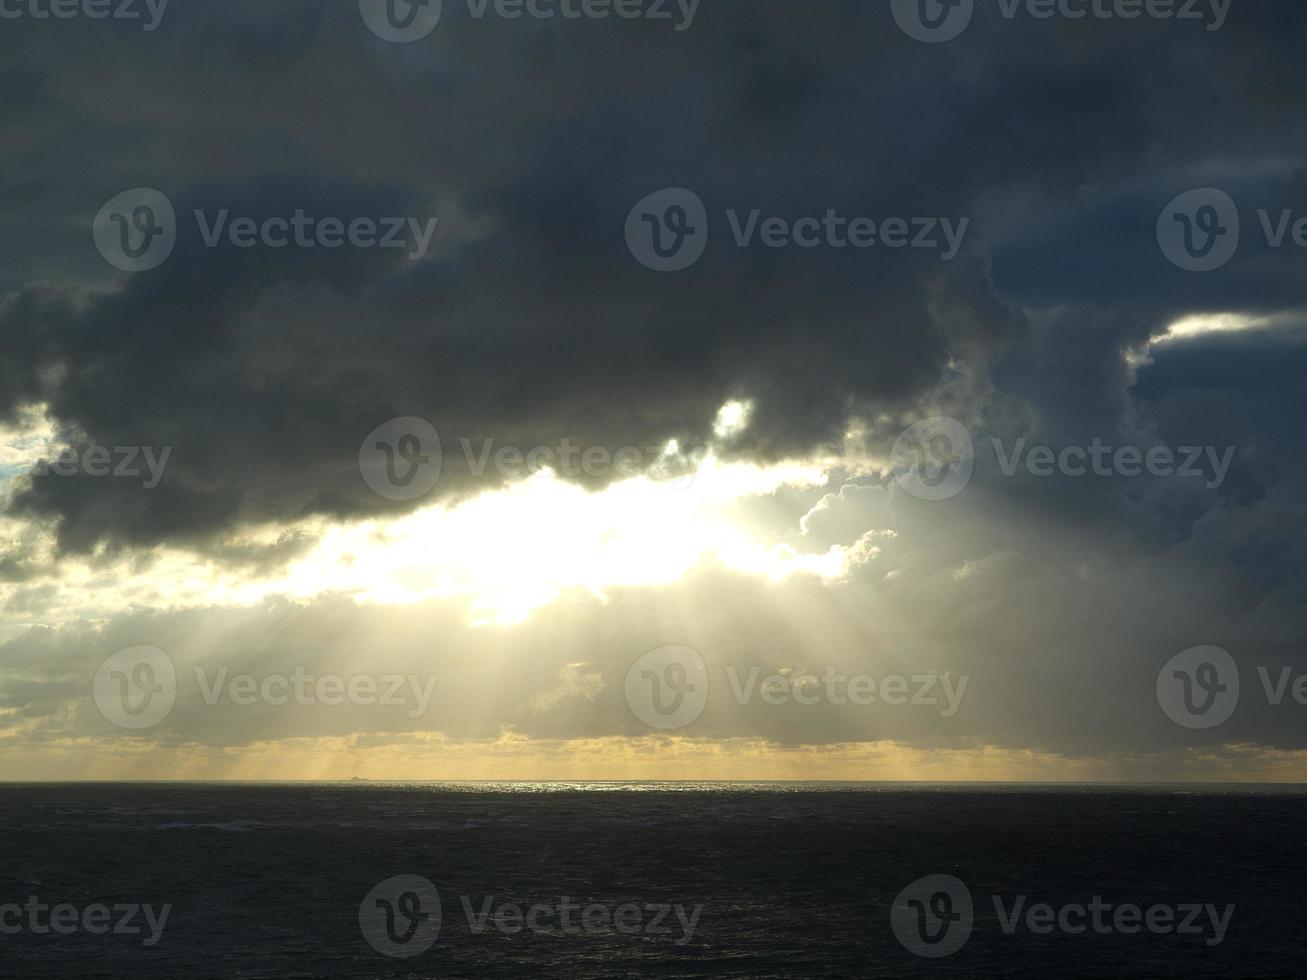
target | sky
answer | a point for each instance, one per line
(720, 390)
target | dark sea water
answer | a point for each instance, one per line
(789, 880)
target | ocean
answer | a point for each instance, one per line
(650, 880)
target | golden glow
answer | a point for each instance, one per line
(506, 552)
(434, 757)
(513, 550)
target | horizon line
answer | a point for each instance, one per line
(684, 782)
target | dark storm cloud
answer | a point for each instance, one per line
(529, 320)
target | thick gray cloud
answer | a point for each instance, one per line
(530, 141)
